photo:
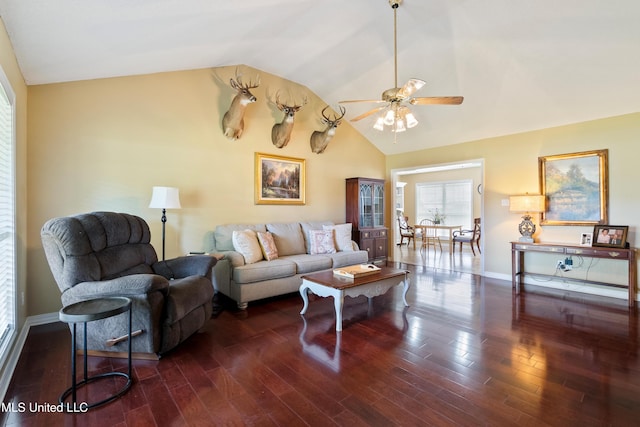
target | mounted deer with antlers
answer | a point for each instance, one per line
(233, 119)
(320, 139)
(281, 132)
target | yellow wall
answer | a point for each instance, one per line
(12, 71)
(511, 167)
(102, 145)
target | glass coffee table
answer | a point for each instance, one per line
(327, 284)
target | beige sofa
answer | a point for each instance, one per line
(245, 282)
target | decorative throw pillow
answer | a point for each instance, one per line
(268, 246)
(246, 242)
(342, 236)
(321, 242)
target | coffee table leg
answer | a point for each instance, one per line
(338, 302)
(406, 289)
(305, 297)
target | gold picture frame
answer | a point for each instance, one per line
(576, 188)
(279, 180)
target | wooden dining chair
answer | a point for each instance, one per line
(406, 231)
(468, 236)
(430, 236)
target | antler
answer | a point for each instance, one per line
(251, 85)
(294, 107)
(335, 118)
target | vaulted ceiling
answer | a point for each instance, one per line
(520, 65)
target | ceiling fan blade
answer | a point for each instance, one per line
(361, 100)
(411, 87)
(368, 113)
(442, 100)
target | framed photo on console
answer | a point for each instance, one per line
(611, 236)
(586, 239)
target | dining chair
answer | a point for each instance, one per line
(429, 235)
(468, 236)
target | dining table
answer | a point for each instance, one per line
(448, 228)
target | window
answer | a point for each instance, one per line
(453, 199)
(7, 217)
(400, 198)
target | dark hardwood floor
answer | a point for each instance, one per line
(466, 352)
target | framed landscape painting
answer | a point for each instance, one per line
(576, 187)
(279, 180)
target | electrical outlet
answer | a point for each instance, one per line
(564, 265)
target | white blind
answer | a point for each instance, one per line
(454, 199)
(7, 217)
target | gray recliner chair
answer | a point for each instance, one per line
(102, 254)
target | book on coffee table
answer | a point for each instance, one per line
(355, 271)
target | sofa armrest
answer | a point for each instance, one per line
(235, 258)
(185, 266)
(135, 284)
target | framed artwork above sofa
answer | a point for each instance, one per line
(279, 180)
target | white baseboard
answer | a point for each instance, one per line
(18, 345)
(600, 290)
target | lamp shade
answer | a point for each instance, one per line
(165, 198)
(527, 203)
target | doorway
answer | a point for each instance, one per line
(403, 184)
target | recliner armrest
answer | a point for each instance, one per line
(185, 266)
(135, 284)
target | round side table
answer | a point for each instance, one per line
(88, 311)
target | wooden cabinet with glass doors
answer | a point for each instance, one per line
(365, 211)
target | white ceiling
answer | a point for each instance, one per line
(521, 65)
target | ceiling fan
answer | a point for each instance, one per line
(397, 114)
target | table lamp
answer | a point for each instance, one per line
(165, 198)
(527, 204)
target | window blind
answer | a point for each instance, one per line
(453, 199)
(7, 217)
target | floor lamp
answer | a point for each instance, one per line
(165, 198)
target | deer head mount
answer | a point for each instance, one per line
(233, 119)
(281, 132)
(320, 139)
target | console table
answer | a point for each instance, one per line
(518, 249)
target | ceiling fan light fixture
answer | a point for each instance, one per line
(389, 117)
(395, 114)
(399, 126)
(379, 124)
(411, 120)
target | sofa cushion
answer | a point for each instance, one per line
(264, 270)
(246, 242)
(313, 225)
(321, 242)
(309, 263)
(224, 234)
(342, 234)
(288, 237)
(340, 259)
(268, 245)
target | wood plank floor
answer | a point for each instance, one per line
(466, 352)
